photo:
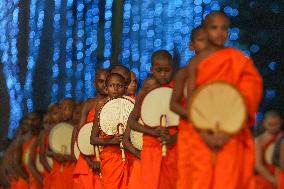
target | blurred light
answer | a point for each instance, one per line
(269, 93)
(272, 65)
(254, 48)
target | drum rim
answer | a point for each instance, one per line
(99, 124)
(198, 90)
(50, 143)
(157, 88)
(77, 139)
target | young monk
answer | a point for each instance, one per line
(197, 43)
(132, 87)
(63, 165)
(266, 172)
(234, 162)
(115, 172)
(123, 71)
(24, 144)
(135, 175)
(86, 172)
(52, 118)
(157, 172)
(279, 162)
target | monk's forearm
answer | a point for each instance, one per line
(103, 141)
(128, 146)
(178, 109)
(35, 173)
(134, 125)
(265, 173)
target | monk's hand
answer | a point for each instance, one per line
(159, 131)
(117, 139)
(59, 157)
(221, 138)
(209, 139)
(137, 153)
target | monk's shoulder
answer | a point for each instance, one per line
(181, 74)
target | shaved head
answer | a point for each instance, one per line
(213, 15)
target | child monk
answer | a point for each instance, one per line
(85, 174)
(24, 145)
(52, 118)
(178, 101)
(158, 172)
(234, 161)
(63, 165)
(132, 87)
(279, 161)
(135, 175)
(115, 172)
(123, 71)
(266, 172)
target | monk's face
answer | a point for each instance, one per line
(36, 121)
(25, 126)
(66, 109)
(217, 30)
(116, 87)
(46, 121)
(272, 124)
(77, 114)
(132, 87)
(162, 70)
(100, 81)
(54, 114)
(200, 41)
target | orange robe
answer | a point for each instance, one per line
(115, 172)
(235, 160)
(46, 174)
(34, 184)
(261, 182)
(280, 184)
(84, 177)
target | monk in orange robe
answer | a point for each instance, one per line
(234, 162)
(135, 178)
(178, 102)
(86, 174)
(157, 171)
(132, 87)
(115, 172)
(280, 183)
(61, 175)
(266, 172)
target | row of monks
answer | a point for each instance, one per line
(238, 163)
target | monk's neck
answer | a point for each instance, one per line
(215, 47)
(100, 96)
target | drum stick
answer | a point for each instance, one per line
(163, 123)
(98, 159)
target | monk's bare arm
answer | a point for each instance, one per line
(128, 145)
(178, 93)
(42, 151)
(32, 160)
(259, 166)
(281, 158)
(17, 158)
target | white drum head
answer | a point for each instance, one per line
(136, 138)
(39, 166)
(76, 150)
(218, 106)
(114, 113)
(84, 137)
(156, 104)
(268, 154)
(60, 138)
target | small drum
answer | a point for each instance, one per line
(268, 154)
(136, 138)
(155, 105)
(115, 112)
(60, 138)
(83, 139)
(76, 150)
(39, 166)
(218, 106)
(113, 117)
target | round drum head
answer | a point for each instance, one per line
(39, 166)
(84, 137)
(114, 113)
(156, 104)
(218, 106)
(268, 154)
(60, 138)
(136, 138)
(76, 151)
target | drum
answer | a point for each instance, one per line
(83, 139)
(60, 138)
(39, 166)
(76, 150)
(268, 153)
(136, 138)
(216, 107)
(113, 117)
(155, 105)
